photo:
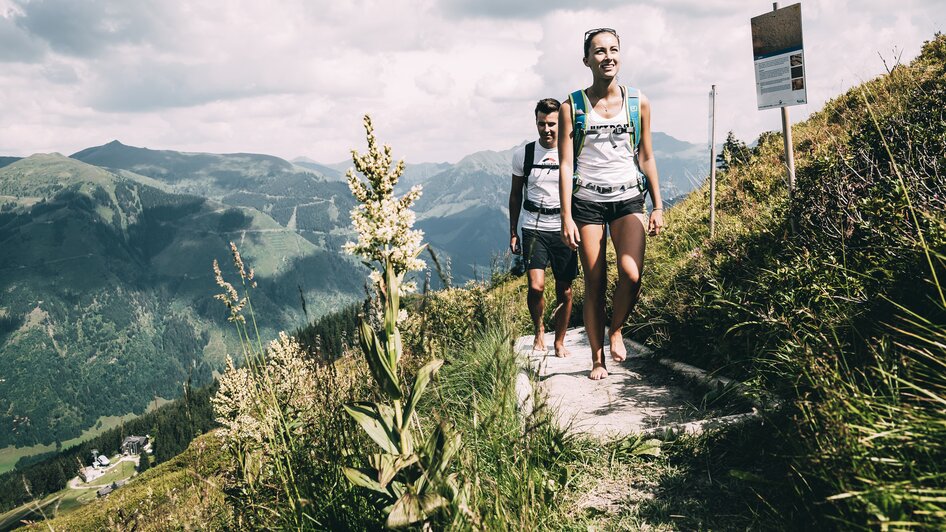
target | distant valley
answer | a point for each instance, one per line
(106, 290)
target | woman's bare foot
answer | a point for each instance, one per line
(560, 350)
(539, 343)
(618, 351)
(598, 371)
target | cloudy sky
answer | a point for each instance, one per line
(442, 78)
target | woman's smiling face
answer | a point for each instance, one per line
(604, 55)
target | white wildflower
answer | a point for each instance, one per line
(409, 287)
(384, 223)
(252, 401)
(376, 277)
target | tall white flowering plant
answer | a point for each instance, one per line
(410, 475)
(384, 223)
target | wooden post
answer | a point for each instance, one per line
(712, 214)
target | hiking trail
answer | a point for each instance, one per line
(639, 396)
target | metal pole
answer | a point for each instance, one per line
(713, 161)
(789, 151)
(787, 137)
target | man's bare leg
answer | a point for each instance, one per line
(629, 237)
(563, 312)
(536, 302)
(591, 249)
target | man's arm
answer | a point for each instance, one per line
(515, 208)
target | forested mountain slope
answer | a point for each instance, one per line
(298, 199)
(106, 292)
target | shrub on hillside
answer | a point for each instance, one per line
(284, 427)
(450, 316)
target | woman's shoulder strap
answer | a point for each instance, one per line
(632, 105)
(578, 102)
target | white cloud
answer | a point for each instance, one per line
(435, 82)
(89, 28)
(442, 79)
(16, 44)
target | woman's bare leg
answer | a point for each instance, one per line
(592, 250)
(536, 301)
(629, 236)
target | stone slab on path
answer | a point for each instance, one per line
(636, 397)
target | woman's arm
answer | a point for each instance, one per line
(565, 171)
(648, 165)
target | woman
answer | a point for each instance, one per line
(603, 188)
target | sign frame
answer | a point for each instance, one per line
(779, 57)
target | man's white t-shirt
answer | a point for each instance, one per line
(541, 187)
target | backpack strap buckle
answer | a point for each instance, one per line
(532, 206)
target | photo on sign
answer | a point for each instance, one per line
(796, 60)
(798, 84)
(796, 72)
(777, 32)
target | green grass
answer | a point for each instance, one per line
(514, 471)
(119, 471)
(41, 173)
(185, 492)
(695, 484)
(73, 499)
(54, 505)
(31, 511)
(529, 474)
(10, 455)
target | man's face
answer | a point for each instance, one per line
(547, 124)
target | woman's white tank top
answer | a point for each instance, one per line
(607, 158)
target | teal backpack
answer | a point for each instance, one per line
(578, 101)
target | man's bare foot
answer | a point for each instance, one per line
(539, 343)
(598, 371)
(560, 351)
(618, 351)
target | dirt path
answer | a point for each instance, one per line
(636, 395)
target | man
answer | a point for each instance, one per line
(535, 169)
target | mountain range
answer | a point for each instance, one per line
(106, 290)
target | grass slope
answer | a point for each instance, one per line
(185, 492)
(522, 474)
(842, 314)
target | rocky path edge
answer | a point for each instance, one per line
(625, 403)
